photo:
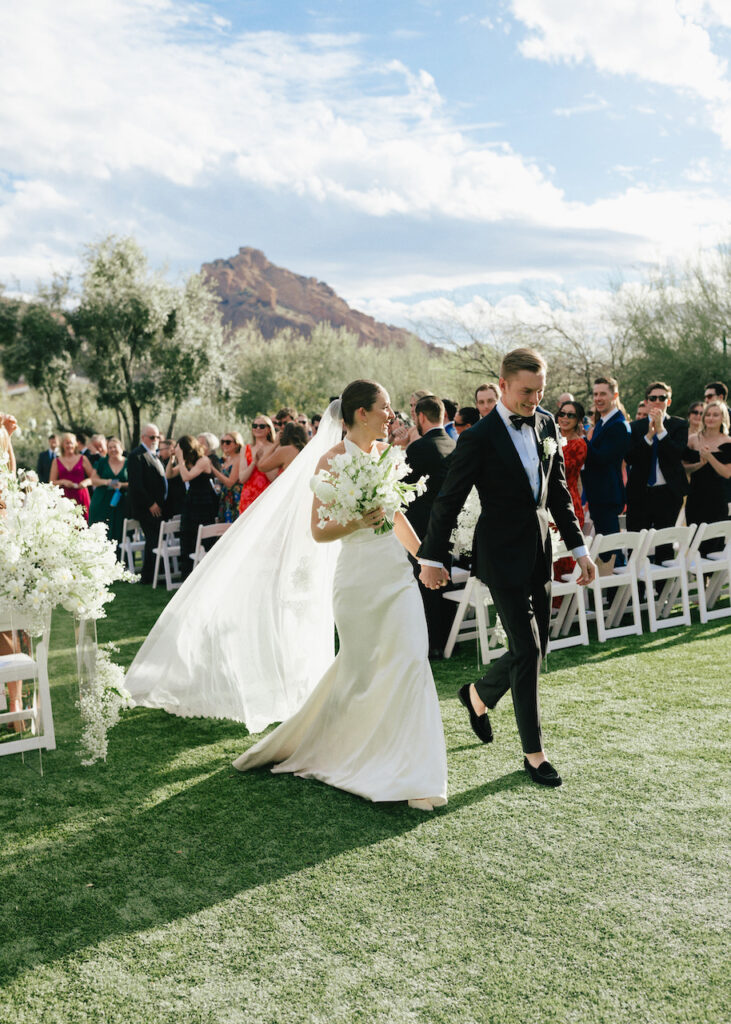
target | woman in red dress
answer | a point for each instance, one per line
(250, 476)
(570, 419)
(72, 472)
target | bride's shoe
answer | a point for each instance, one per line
(421, 805)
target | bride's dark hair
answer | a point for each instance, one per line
(359, 394)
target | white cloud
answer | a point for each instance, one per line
(661, 41)
(591, 104)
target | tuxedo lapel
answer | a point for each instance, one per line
(508, 453)
(544, 460)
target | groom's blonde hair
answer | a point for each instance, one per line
(522, 359)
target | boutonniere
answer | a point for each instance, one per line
(549, 447)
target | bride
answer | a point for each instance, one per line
(250, 633)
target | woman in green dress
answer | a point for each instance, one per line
(109, 500)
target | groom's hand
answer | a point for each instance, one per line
(434, 577)
(588, 570)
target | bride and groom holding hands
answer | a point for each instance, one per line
(249, 635)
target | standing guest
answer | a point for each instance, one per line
(708, 460)
(565, 396)
(290, 443)
(465, 418)
(642, 409)
(284, 416)
(656, 480)
(305, 424)
(228, 476)
(450, 411)
(45, 459)
(315, 422)
(570, 419)
(607, 445)
(209, 443)
(253, 481)
(72, 472)
(97, 448)
(147, 492)
(413, 430)
(695, 418)
(109, 500)
(486, 398)
(195, 469)
(716, 389)
(173, 504)
(428, 456)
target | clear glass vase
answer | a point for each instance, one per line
(86, 648)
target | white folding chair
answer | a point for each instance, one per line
(671, 575)
(168, 552)
(472, 620)
(622, 580)
(34, 666)
(712, 573)
(570, 609)
(206, 533)
(133, 544)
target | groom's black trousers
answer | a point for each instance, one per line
(525, 612)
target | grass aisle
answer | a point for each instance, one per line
(164, 886)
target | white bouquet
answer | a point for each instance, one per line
(100, 704)
(358, 482)
(464, 529)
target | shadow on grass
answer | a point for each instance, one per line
(147, 860)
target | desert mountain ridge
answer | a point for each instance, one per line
(253, 289)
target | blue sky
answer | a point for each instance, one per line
(417, 155)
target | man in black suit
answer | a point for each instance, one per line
(607, 446)
(45, 459)
(428, 456)
(514, 459)
(147, 490)
(656, 480)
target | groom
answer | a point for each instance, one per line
(513, 458)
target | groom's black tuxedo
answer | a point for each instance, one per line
(511, 551)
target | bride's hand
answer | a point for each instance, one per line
(371, 520)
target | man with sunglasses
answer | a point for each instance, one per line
(656, 480)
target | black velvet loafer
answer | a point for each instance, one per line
(545, 774)
(480, 723)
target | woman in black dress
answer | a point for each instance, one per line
(708, 461)
(198, 508)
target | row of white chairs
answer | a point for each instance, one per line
(616, 594)
(167, 552)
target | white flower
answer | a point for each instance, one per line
(549, 447)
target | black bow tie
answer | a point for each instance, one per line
(517, 420)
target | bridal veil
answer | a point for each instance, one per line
(250, 632)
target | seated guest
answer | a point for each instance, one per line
(465, 418)
(253, 481)
(72, 473)
(198, 510)
(486, 398)
(656, 480)
(450, 410)
(109, 500)
(286, 449)
(45, 459)
(228, 477)
(695, 418)
(708, 460)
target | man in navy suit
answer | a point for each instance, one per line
(45, 459)
(607, 447)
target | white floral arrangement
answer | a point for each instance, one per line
(464, 530)
(49, 556)
(100, 704)
(358, 482)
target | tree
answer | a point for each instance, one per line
(144, 341)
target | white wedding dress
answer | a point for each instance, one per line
(372, 724)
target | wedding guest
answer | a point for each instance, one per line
(607, 445)
(486, 398)
(253, 481)
(284, 416)
(97, 448)
(305, 424)
(413, 430)
(209, 443)
(642, 409)
(695, 418)
(429, 457)
(570, 420)
(716, 389)
(708, 460)
(45, 459)
(566, 396)
(656, 480)
(72, 472)
(173, 504)
(147, 491)
(228, 476)
(291, 442)
(450, 411)
(315, 422)
(465, 418)
(8, 642)
(109, 500)
(8, 425)
(198, 510)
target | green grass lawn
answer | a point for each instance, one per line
(164, 886)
